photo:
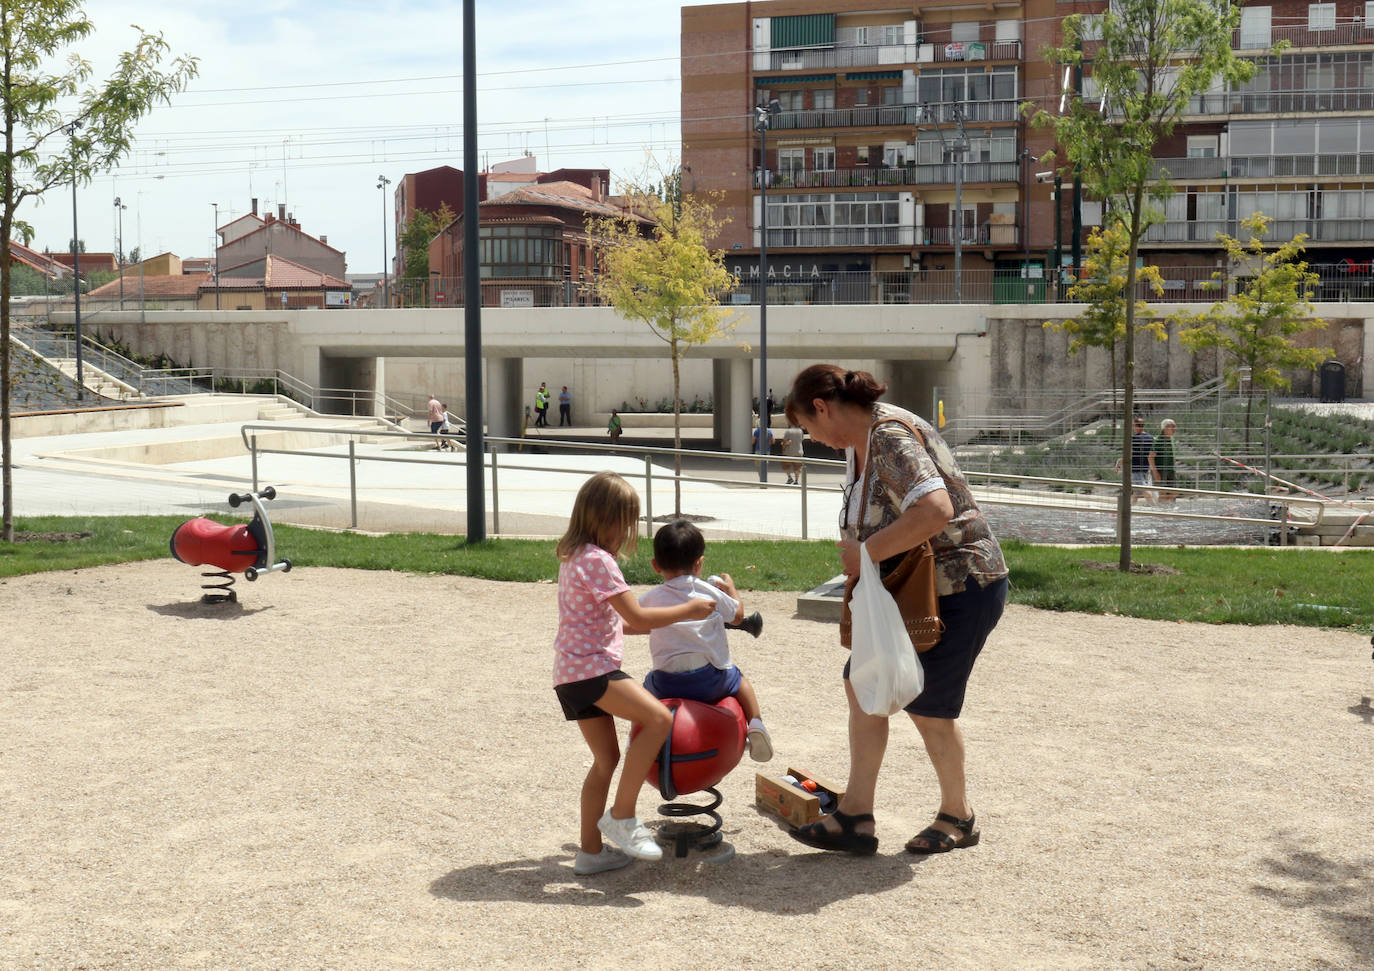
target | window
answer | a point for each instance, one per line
(823, 159)
(823, 98)
(892, 35)
(964, 32)
(791, 163)
(790, 100)
(892, 95)
(862, 155)
(520, 252)
(1254, 26)
(1321, 16)
(861, 97)
(893, 153)
(1369, 13)
(1009, 30)
(1202, 146)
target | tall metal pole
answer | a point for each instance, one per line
(216, 245)
(763, 119)
(1059, 239)
(1025, 218)
(119, 245)
(382, 183)
(76, 269)
(472, 287)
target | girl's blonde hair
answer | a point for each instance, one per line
(606, 514)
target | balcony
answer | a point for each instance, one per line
(884, 175)
(875, 55)
(1341, 35)
(1317, 230)
(894, 116)
(1282, 102)
(1264, 166)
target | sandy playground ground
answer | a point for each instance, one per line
(369, 770)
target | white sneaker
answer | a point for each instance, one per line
(608, 859)
(759, 742)
(630, 835)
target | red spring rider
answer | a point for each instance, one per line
(706, 742)
(248, 549)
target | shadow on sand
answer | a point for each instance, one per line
(1340, 893)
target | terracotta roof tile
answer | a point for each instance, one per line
(278, 274)
(178, 285)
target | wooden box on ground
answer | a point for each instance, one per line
(796, 806)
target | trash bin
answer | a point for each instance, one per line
(1333, 381)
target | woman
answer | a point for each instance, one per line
(914, 492)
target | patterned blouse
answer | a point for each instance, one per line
(900, 471)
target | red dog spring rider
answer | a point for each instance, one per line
(248, 549)
(705, 743)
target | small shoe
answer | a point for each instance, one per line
(630, 835)
(845, 841)
(608, 859)
(759, 742)
(931, 840)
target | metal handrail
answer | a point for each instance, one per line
(1283, 505)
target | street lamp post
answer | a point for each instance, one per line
(1025, 220)
(119, 247)
(955, 149)
(382, 183)
(216, 245)
(763, 119)
(76, 268)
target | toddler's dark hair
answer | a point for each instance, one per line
(678, 544)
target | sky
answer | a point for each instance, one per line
(306, 103)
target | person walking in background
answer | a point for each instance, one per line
(436, 415)
(765, 449)
(1162, 460)
(564, 407)
(614, 427)
(541, 406)
(1141, 444)
(793, 441)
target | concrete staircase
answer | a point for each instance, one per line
(282, 408)
(97, 381)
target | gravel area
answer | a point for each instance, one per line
(369, 770)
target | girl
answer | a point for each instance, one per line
(595, 607)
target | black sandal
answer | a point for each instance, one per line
(845, 841)
(938, 841)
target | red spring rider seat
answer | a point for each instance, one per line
(706, 742)
(247, 548)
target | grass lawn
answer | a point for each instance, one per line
(1315, 588)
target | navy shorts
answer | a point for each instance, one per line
(706, 684)
(434, 427)
(579, 698)
(969, 618)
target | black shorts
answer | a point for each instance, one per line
(969, 618)
(579, 698)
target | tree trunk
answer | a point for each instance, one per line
(1123, 518)
(677, 428)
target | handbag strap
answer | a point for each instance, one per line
(868, 461)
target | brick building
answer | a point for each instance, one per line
(870, 102)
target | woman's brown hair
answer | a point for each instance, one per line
(605, 514)
(830, 382)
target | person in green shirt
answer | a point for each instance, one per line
(614, 427)
(1162, 460)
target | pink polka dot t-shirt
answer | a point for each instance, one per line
(591, 637)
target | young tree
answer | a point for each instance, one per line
(420, 229)
(57, 129)
(1102, 290)
(1254, 327)
(657, 268)
(1148, 59)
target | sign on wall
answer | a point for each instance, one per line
(517, 298)
(338, 298)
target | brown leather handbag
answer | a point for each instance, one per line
(912, 583)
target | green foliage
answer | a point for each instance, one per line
(1135, 51)
(1254, 328)
(25, 281)
(58, 130)
(657, 268)
(415, 237)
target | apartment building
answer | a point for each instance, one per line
(897, 146)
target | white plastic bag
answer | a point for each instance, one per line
(884, 669)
